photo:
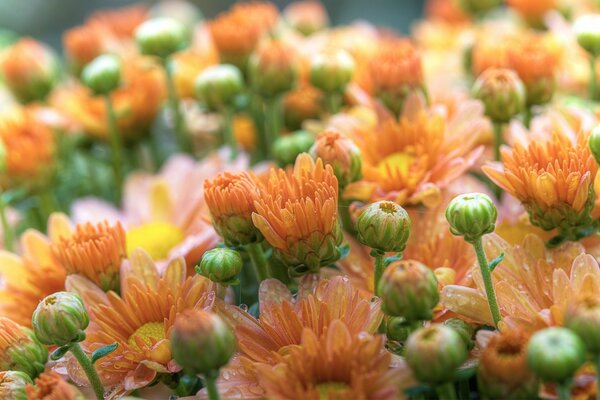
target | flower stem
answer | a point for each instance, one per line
(7, 231)
(593, 85)
(228, 135)
(334, 102)
(379, 267)
(179, 127)
(486, 274)
(527, 116)
(564, 390)
(272, 123)
(211, 387)
(464, 391)
(446, 391)
(89, 370)
(597, 375)
(498, 139)
(345, 217)
(259, 261)
(115, 145)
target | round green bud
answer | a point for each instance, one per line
(502, 93)
(478, 7)
(594, 143)
(434, 354)
(13, 384)
(471, 215)
(409, 289)
(331, 72)
(218, 86)
(583, 317)
(273, 69)
(287, 148)
(201, 342)
(587, 31)
(161, 37)
(221, 265)
(464, 329)
(398, 328)
(103, 74)
(341, 153)
(60, 319)
(384, 226)
(555, 354)
(22, 351)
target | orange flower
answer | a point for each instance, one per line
(553, 178)
(95, 252)
(532, 10)
(140, 321)
(50, 386)
(334, 365)
(120, 22)
(244, 132)
(409, 161)
(297, 214)
(187, 65)
(300, 104)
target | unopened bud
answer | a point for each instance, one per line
(384, 226)
(60, 319)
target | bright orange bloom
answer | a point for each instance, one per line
(409, 161)
(140, 321)
(334, 365)
(50, 386)
(297, 214)
(95, 252)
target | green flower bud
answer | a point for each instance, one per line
(587, 31)
(20, 350)
(434, 354)
(13, 384)
(384, 226)
(471, 215)
(341, 153)
(398, 328)
(502, 93)
(60, 319)
(161, 37)
(555, 354)
(286, 148)
(201, 342)
(594, 143)
(103, 74)
(273, 69)
(218, 86)
(331, 72)
(583, 318)
(221, 265)
(409, 289)
(464, 329)
(478, 7)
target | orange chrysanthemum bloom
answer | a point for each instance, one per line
(28, 147)
(50, 386)
(283, 321)
(296, 212)
(261, 13)
(532, 10)
(140, 321)
(95, 252)
(409, 161)
(553, 178)
(300, 104)
(334, 365)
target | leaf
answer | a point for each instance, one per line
(494, 263)
(555, 241)
(59, 353)
(103, 352)
(391, 259)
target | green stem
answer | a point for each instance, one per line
(272, 123)
(498, 139)
(9, 235)
(379, 268)
(179, 126)
(47, 204)
(345, 217)
(259, 261)
(333, 102)
(597, 375)
(564, 390)
(593, 86)
(115, 145)
(527, 116)
(211, 387)
(446, 391)
(228, 135)
(89, 370)
(464, 391)
(486, 274)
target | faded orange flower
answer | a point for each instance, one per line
(50, 386)
(532, 10)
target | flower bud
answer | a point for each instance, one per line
(218, 86)
(103, 74)
(478, 7)
(341, 153)
(435, 353)
(408, 289)
(583, 317)
(331, 72)
(307, 16)
(502, 93)
(587, 31)
(555, 354)
(30, 70)
(273, 69)
(13, 384)
(286, 148)
(161, 37)
(471, 215)
(60, 319)
(201, 342)
(20, 350)
(300, 104)
(384, 226)
(221, 265)
(398, 328)
(594, 143)
(464, 329)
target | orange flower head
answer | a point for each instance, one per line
(94, 251)
(20, 350)
(532, 10)
(297, 214)
(121, 22)
(300, 104)
(554, 179)
(82, 44)
(261, 13)
(28, 147)
(395, 72)
(50, 386)
(307, 16)
(334, 365)
(230, 199)
(341, 153)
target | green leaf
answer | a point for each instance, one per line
(59, 353)
(103, 352)
(494, 263)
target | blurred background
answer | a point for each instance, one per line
(47, 19)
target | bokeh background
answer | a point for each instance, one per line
(47, 19)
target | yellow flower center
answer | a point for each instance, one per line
(329, 390)
(148, 333)
(156, 238)
(401, 161)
